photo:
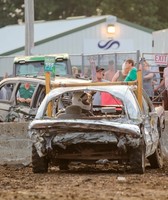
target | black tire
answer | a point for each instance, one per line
(63, 164)
(137, 159)
(39, 164)
(156, 159)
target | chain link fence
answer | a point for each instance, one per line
(157, 63)
(84, 62)
(6, 66)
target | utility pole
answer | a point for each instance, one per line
(29, 26)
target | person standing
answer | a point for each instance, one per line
(99, 78)
(132, 75)
(164, 83)
(108, 75)
(147, 77)
(3, 93)
(75, 72)
(120, 75)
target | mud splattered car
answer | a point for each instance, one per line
(13, 110)
(91, 123)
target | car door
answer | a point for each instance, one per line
(6, 98)
(26, 110)
(150, 125)
(37, 98)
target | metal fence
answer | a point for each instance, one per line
(156, 66)
(6, 65)
(84, 61)
(157, 63)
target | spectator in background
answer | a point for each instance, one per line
(6, 75)
(132, 74)
(99, 78)
(147, 76)
(99, 74)
(3, 93)
(156, 77)
(120, 75)
(87, 72)
(75, 72)
(164, 83)
(156, 81)
(108, 75)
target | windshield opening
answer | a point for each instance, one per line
(37, 69)
(110, 106)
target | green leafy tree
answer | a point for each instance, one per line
(162, 14)
(11, 12)
(141, 12)
(54, 9)
(151, 14)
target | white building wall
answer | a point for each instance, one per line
(72, 44)
(141, 40)
(160, 39)
(85, 41)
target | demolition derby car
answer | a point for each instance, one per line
(11, 109)
(90, 123)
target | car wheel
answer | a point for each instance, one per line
(39, 164)
(137, 159)
(156, 159)
(63, 164)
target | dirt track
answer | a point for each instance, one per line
(84, 182)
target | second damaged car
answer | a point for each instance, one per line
(90, 123)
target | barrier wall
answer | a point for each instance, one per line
(15, 145)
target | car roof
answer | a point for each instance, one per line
(41, 80)
(109, 88)
(22, 79)
(35, 58)
(118, 90)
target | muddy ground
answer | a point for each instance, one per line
(83, 182)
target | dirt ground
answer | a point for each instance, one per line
(83, 182)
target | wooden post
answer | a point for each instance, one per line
(139, 89)
(47, 78)
(48, 68)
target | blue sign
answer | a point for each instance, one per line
(109, 44)
(49, 62)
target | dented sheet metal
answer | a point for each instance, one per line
(85, 124)
(109, 131)
(103, 137)
(83, 137)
